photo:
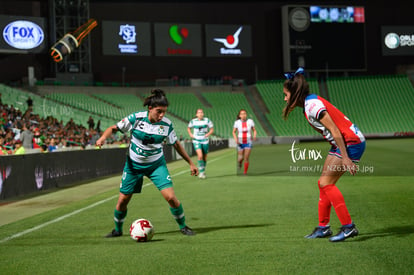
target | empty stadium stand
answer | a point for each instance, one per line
(272, 93)
(379, 105)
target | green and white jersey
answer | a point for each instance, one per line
(146, 137)
(200, 129)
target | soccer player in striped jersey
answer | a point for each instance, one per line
(244, 133)
(202, 129)
(149, 129)
(347, 146)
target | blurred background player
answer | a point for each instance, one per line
(348, 145)
(202, 129)
(145, 157)
(243, 133)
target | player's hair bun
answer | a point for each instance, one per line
(157, 98)
(157, 92)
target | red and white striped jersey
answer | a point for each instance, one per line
(244, 130)
(315, 105)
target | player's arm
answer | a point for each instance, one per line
(254, 133)
(235, 136)
(189, 132)
(180, 150)
(106, 134)
(210, 132)
(327, 121)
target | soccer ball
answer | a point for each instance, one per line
(141, 230)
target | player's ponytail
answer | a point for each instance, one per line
(157, 98)
(298, 87)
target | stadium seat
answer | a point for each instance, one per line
(377, 104)
(272, 94)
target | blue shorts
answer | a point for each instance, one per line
(354, 151)
(244, 146)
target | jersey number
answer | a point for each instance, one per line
(148, 140)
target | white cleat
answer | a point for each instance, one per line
(202, 175)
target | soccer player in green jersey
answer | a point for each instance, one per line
(203, 128)
(145, 157)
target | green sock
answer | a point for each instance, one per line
(200, 166)
(119, 217)
(178, 214)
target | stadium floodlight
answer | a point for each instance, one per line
(70, 41)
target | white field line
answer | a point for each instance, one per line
(40, 226)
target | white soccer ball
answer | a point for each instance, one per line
(141, 230)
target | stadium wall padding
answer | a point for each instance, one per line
(33, 173)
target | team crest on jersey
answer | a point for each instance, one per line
(161, 130)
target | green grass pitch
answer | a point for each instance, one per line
(251, 224)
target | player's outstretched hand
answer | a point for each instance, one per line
(350, 166)
(194, 170)
(100, 142)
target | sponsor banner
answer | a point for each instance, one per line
(397, 40)
(33, 173)
(177, 39)
(228, 40)
(126, 38)
(22, 34)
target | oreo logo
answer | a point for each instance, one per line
(23, 35)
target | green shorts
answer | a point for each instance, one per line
(202, 147)
(133, 176)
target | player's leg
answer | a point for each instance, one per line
(330, 194)
(332, 171)
(120, 213)
(324, 214)
(240, 155)
(355, 153)
(199, 151)
(204, 152)
(177, 211)
(131, 183)
(201, 164)
(329, 177)
(324, 208)
(162, 180)
(246, 157)
(175, 205)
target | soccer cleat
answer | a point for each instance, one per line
(187, 231)
(202, 175)
(320, 232)
(345, 233)
(114, 233)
